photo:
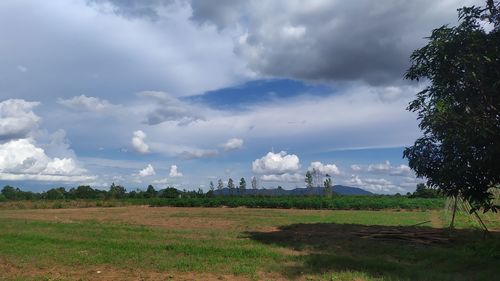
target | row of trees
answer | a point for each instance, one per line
(232, 187)
(86, 192)
(314, 178)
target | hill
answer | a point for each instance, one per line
(338, 189)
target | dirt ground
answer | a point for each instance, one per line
(106, 273)
(139, 215)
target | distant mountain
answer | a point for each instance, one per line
(338, 189)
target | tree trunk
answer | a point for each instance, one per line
(452, 224)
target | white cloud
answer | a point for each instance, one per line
(356, 167)
(323, 169)
(286, 177)
(376, 185)
(148, 171)
(138, 142)
(163, 181)
(22, 160)
(169, 108)
(233, 144)
(276, 163)
(17, 119)
(84, 103)
(174, 173)
(387, 168)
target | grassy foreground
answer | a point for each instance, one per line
(129, 243)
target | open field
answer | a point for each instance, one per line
(165, 243)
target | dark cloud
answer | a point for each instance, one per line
(134, 8)
(364, 40)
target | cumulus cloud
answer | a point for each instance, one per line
(170, 108)
(286, 177)
(17, 118)
(387, 168)
(148, 171)
(356, 168)
(233, 144)
(276, 163)
(21, 159)
(84, 103)
(174, 173)
(376, 185)
(138, 142)
(324, 169)
(321, 39)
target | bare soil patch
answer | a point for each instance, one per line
(138, 215)
(104, 273)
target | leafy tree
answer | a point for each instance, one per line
(84, 192)
(243, 185)
(309, 181)
(54, 193)
(10, 192)
(220, 185)
(254, 182)
(117, 191)
(169, 192)
(230, 185)
(423, 191)
(211, 186)
(150, 192)
(459, 111)
(328, 186)
(316, 176)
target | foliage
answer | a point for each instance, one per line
(459, 112)
(309, 180)
(423, 191)
(230, 185)
(310, 202)
(150, 192)
(13, 193)
(328, 186)
(243, 185)
(117, 191)
(254, 183)
(169, 192)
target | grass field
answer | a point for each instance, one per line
(165, 243)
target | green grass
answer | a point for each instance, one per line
(318, 245)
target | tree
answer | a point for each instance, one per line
(328, 185)
(243, 185)
(211, 186)
(117, 191)
(309, 181)
(316, 175)
(230, 185)
(9, 192)
(150, 192)
(169, 192)
(459, 111)
(254, 183)
(54, 193)
(220, 185)
(423, 191)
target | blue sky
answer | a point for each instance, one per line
(185, 92)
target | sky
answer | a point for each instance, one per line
(184, 92)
